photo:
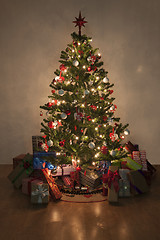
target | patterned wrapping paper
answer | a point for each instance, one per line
(23, 170)
(64, 171)
(53, 188)
(113, 184)
(39, 192)
(132, 164)
(75, 178)
(143, 160)
(136, 156)
(124, 184)
(26, 184)
(18, 159)
(67, 181)
(90, 178)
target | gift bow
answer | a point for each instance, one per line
(41, 192)
(113, 178)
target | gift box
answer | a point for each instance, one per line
(67, 181)
(39, 192)
(130, 147)
(23, 170)
(104, 165)
(26, 184)
(143, 160)
(113, 184)
(53, 188)
(63, 170)
(124, 184)
(137, 182)
(132, 164)
(37, 141)
(43, 160)
(116, 163)
(38, 174)
(17, 160)
(90, 178)
(105, 184)
(75, 178)
(136, 156)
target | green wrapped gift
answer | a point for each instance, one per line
(116, 163)
(132, 164)
(23, 170)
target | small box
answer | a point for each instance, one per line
(17, 160)
(112, 193)
(90, 178)
(39, 192)
(26, 184)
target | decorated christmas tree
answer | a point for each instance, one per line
(81, 125)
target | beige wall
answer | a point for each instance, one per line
(33, 32)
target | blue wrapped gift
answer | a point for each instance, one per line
(43, 160)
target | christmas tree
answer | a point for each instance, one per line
(80, 124)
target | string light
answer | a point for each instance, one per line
(92, 89)
(77, 138)
(58, 103)
(99, 55)
(63, 101)
(72, 50)
(79, 44)
(84, 67)
(97, 155)
(93, 163)
(98, 148)
(96, 128)
(97, 78)
(104, 125)
(99, 87)
(100, 136)
(65, 70)
(83, 105)
(78, 161)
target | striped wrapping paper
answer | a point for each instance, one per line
(136, 156)
(66, 180)
(143, 160)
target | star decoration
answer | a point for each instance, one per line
(80, 22)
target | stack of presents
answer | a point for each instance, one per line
(38, 178)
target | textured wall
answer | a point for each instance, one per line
(33, 33)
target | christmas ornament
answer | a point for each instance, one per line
(84, 138)
(93, 107)
(105, 118)
(44, 147)
(63, 115)
(112, 153)
(89, 118)
(105, 80)
(61, 143)
(113, 108)
(59, 123)
(126, 132)
(80, 52)
(113, 136)
(110, 91)
(95, 68)
(86, 92)
(89, 69)
(80, 22)
(110, 120)
(50, 143)
(54, 102)
(51, 124)
(75, 63)
(78, 169)
(49, 104)
(53, 91)
(78, 116)
(62, 67)
(41, 113)
(61, 92)
(101, 98)
(104, 150)
(91, 145)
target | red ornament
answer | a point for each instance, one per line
(41, 113)
(80, 22)
(78, 169)
(110, 91)
(105, 118)
(114, 108)
(104, 150)
(61, 79)
(51, 124)
(82, 130)
(68, 112)
(101, 98)
(77, 78)
(49, 104)
(93, 59)
(54, 102)
(80, 52)
(93, 107)
(62, 67)
(89, 69)
(75, 127)
(61, 144)
(89, 118)
(53, 91)
(59, 123)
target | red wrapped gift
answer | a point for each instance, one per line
(26, 184)
(130, 147)
(136, 156)
(113, 184)
(17, 160)
(66, 180)
(53, 188)
(74, 178)
(143, 160)
(105, 184)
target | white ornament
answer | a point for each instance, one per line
(57, 78)
(89, 59)
(110, 120)
(44, 147)
(78, 116)
(105, 80)
(91, 145)
(126, 132)
(75, 63)
(63, 115)
(86, 92)
(50, 143)
(61, 92)
(113, 153)
(112, 107)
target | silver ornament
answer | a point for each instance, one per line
(75, 63)
(91, 145)
(113, 153)
(63, 115)
(50, 143)
(126, 132)
(61, 92)
(105, 80)
(86, 92)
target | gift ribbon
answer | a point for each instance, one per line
(41, 192)
(28, 169)
(113, 178)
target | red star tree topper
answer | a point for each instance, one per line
(80, 22)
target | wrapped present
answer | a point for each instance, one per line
(26, 184)
(113, 184)
(53, 188)
(67, 181)
(37, 141)
(150, 168)
(104, 165)
(43, 160)
(17, 160)
(132, 164)
(143, 160)
(63, 170)
(124, 165)
(38, 174)
(137, 182)
(130, 147)
(136, 156)
(105, 184)
(116, 163)
(124, 188)
(90, 178)
(23, 170)
(124, 184)
(75, 178)
(39, 192)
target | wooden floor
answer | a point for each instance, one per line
(133, 219)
